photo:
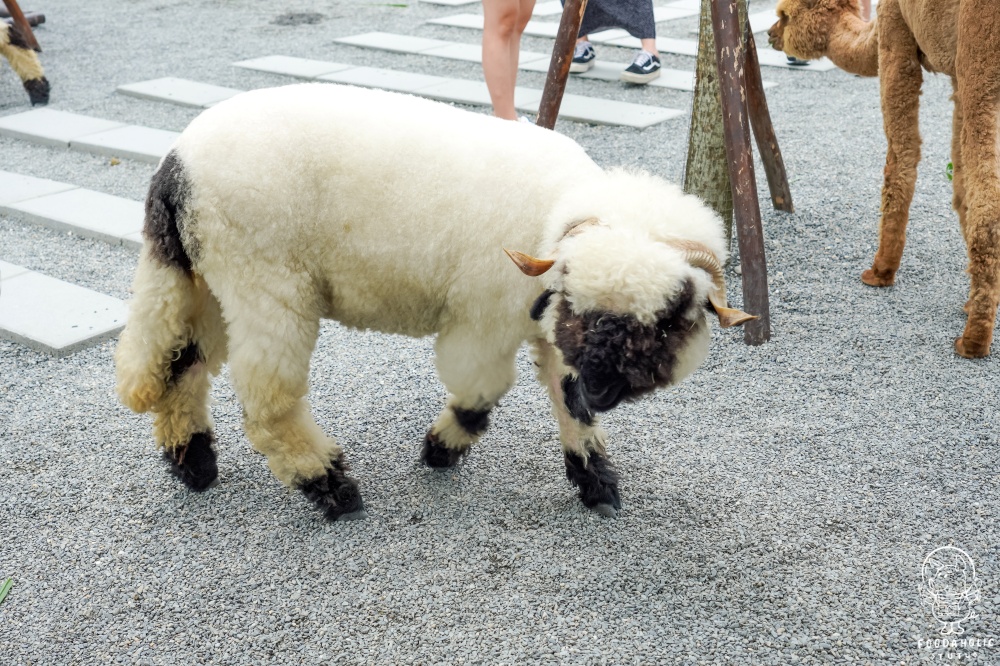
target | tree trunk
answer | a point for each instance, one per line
(707, 172)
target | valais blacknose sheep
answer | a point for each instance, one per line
(280, 207)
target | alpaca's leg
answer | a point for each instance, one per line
(583, 442)
(476, 374)
(900, 79)
(979, 89)
(273, 329)
(173, 342)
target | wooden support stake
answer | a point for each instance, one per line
(562, 58)
(763, 130)
(731, 60)
(22, 25)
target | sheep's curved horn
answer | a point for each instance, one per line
(529, 265)
(701, 256)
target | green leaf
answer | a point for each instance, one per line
(949, 171)
(5, 588)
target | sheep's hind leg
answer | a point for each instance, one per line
(270, 349)
(583, 442)
(476, 380)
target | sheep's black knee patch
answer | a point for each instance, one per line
(335, 493)
(165, 206)
(438, 456)
(596, 478)
(195, 464)
(38, 91)
(574, 401)
(473, 421)
(185, 359)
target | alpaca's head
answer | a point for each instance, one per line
(804, 26)
(626, 307)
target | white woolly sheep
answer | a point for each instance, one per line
(24, 61)
(389, 212)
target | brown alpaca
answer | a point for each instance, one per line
(960, 38)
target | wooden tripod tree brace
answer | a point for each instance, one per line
(731, 60)
(562, 58)
(22, 25)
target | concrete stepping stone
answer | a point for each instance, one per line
(451, 3)
(179, 91)
(87, 134)
(610, 112)
(14, 187)
(143, 144)
(529, 61)
(51, 127)
(766, 56)
(66, 207)
(303, 68)
(464, 91)
(385, 41)
(52, 316)
(386, 79)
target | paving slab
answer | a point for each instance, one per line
(611, 112)
(767, 56)
(53, 316)
(51, 127)
(85, 212)
(179, 91)
(9, 270)
(303, 68)
(450, 3)
(144, 144)
(386, 41)
(16, 187)
(386, 79)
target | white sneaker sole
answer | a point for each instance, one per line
(580, 67)
(629, 77)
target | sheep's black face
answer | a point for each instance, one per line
(619, 358)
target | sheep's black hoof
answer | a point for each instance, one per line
(597, 480)
(195, 463)
(38, 91)
(438, 456)
(336, 494)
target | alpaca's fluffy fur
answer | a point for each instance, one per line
(383, 211)
(24, 61)
(960, 38)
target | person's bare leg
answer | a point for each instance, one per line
(504, 22)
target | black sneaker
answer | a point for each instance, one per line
(795, 62)
(643, 69)
(583, 57)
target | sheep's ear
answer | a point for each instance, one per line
(529, 265)
(728, 316)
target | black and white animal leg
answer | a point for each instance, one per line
(587, 464)
(176, 392)
(270, 348)
(476, 376)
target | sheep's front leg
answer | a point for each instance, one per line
(900, 78)
(587, 464)
(271, 342)
(477, 372)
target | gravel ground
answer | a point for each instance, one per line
(778, 506)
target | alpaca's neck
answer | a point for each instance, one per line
(853, 45)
